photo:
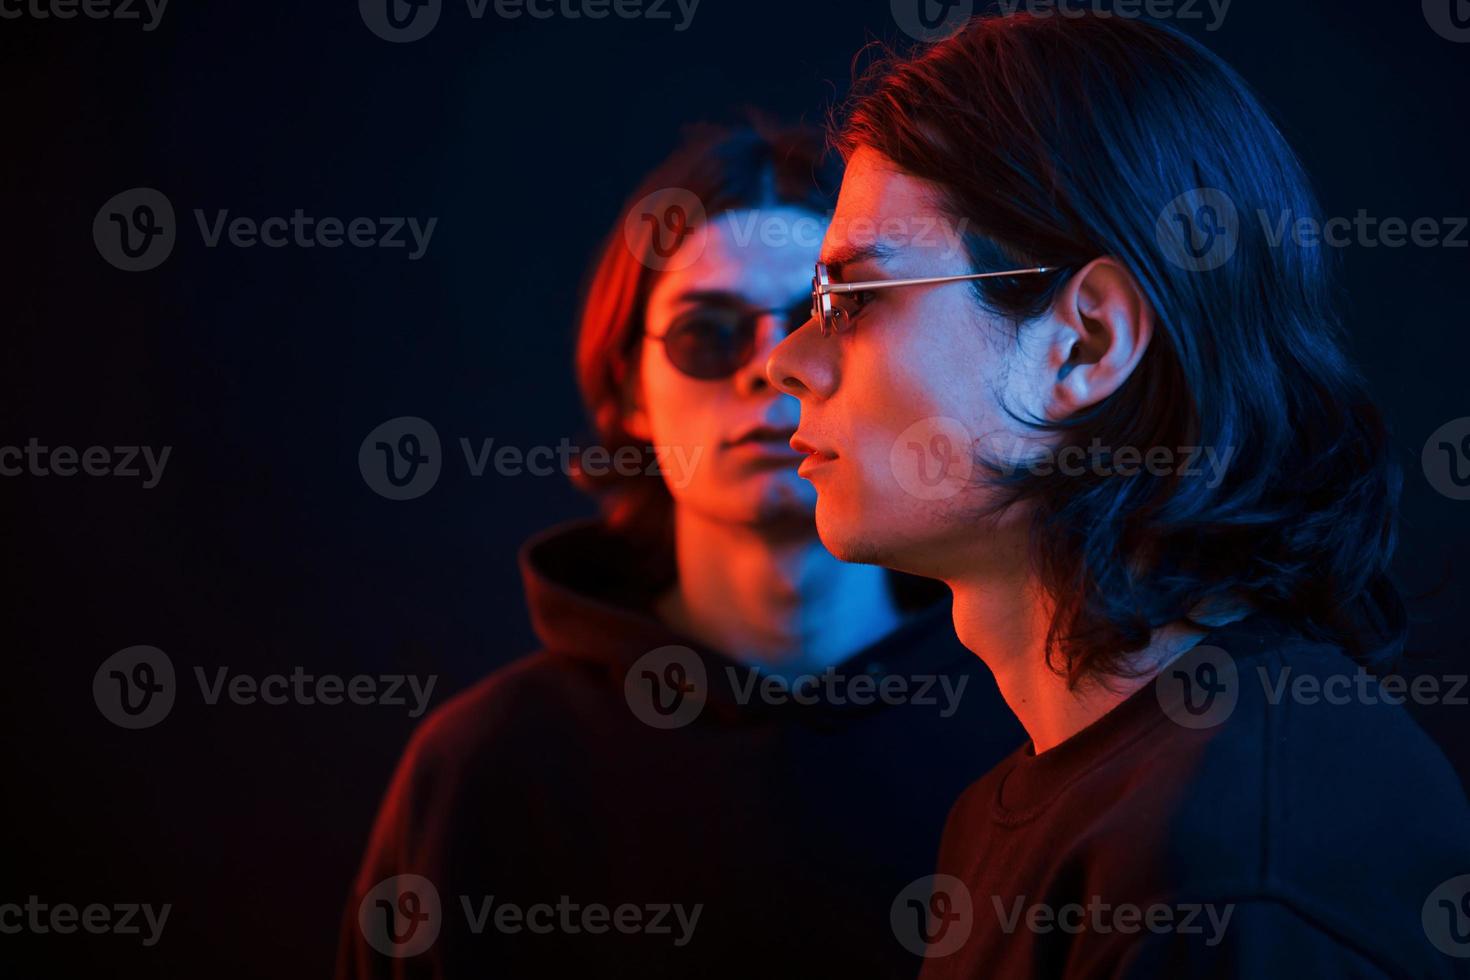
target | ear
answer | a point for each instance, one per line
(634, 414)
(1102, 326)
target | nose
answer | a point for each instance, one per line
(805, 363)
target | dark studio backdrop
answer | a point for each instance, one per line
(262, 548)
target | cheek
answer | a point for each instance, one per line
(675, 404)
(685, 419)
(917, 383)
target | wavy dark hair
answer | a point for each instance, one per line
(1060, 140)
(757, 163)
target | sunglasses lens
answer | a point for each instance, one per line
(838, 320)
(711, 345)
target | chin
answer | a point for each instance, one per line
(783, 495)
(787, 516)
(862, 540)
(847, 540)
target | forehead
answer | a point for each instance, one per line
(880, 205)
(764, 255)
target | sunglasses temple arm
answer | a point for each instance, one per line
(854, 287)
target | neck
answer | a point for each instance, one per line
(1004, 621)
(770, 596)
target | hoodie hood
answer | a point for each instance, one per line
(591, 601)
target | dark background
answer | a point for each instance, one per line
(263, 549)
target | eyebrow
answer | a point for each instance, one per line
(846, 255)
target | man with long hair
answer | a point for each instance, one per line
(1115, 416)
(735, 751)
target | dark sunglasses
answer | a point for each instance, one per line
(714, 342)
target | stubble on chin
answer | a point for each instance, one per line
(862, 552)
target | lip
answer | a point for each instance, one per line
(812, 463)
(808, 449)
(813, 457)
(763, 436)
(764, 446)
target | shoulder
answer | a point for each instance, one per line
(1317, 801)
(1324, 756)
(522, 703)
(492, 739)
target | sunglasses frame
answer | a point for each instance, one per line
(823, 289)
(751, 317)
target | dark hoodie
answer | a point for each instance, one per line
(576, 819)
